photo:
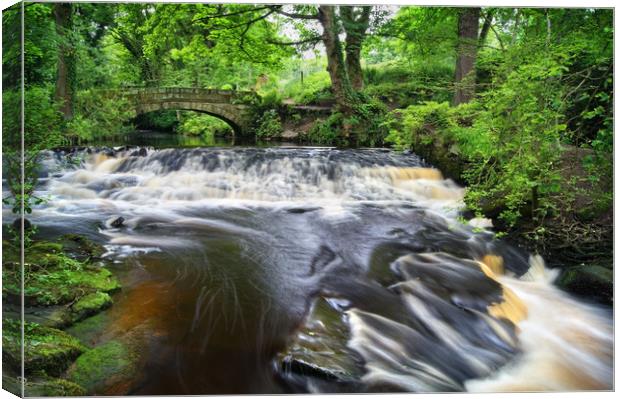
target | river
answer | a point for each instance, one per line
(224, 251)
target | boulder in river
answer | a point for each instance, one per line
(592, 281)
(319, 351)
(116, 222)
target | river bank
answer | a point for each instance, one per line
(67, 286)
(577, 239)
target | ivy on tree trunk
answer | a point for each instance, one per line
(341, 85)
(355, 28)
(465, 78)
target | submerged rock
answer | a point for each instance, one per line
(105, 370)
(90, 330)
(79, 247)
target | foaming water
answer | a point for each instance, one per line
(243, 242)
(566, 345)
(256, 175)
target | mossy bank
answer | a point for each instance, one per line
(65, 282)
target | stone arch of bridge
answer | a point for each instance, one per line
(226, 112)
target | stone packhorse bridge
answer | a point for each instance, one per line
(228, 105)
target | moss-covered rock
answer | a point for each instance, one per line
(81, 247)
(89, 330)
(46, 349)
(53, 387)
(101, 279)
(42, 386)
(592, 281)
(49, 316)
(51, 276)
(108, 365)
(91, 304)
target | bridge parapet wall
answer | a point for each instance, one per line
(188, 94)
(228, 105)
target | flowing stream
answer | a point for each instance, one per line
(224, 253)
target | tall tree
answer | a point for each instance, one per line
(486, 25)
(467, 48)
(355, 21)
(130, 29)
(65, 76)
(341, 84)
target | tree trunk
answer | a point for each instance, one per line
(484, 31)
(466, 55)
(335, 60)
(65, 75)
(355, 29)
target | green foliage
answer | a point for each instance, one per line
(196, 124)
(97, 116)
(43, 121)
(366, 125)
(315, 89)
(269, 125)
(548, 86)
(327, 132)
(163, 120)
(40, 45)
(511, 157)
(51, 276)
(404, 85)
(42, 130)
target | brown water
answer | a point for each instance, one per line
(224, 251)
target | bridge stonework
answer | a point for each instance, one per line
(227, 105)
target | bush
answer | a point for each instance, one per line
(269, 125)
(510, 164)
(196, 124)
(42, 129)
(316, 89)
(98, 116)
(43, 120)
(366, 125)
(327, 132)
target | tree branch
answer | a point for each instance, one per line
(230, 14)
(314, 39)
(247, 24)
(278, 9)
